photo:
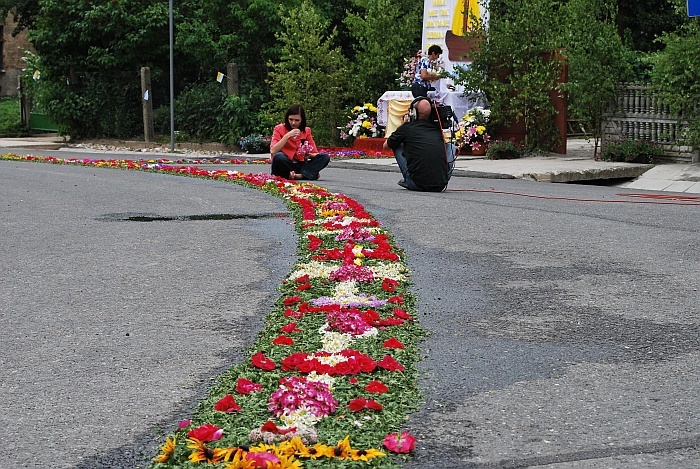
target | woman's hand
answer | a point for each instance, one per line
(294, 133)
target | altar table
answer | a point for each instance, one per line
(393, 105)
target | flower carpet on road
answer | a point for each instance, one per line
(331, 378)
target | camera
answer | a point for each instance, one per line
(442, 115)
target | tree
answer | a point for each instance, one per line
(676, 75)
(24, 12)
(516, 66)
(310, 71)
(384, 33)
(596, 60)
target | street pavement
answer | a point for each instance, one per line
(562, 319)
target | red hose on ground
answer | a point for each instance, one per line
(656, 198)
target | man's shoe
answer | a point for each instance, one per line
(403, 184)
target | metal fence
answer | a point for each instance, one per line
(640, 114)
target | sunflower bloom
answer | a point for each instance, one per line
(341, 450)
(314, 452)
(240, 461)
(166, 450)
(202, 453)
(288, 462)
(365, 454)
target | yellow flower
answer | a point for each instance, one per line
(166, 450)
(314, 452)
(239, 461)
(480, 129)
(287, 462)
(202, 453)
(365, 454)
(341, 450)
(366, 124)
(356, 108)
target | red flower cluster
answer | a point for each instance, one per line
(356, 363)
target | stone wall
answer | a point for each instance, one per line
(13, 49)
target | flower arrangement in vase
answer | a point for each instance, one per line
(362, 124)
(472, 133)
(409, 70)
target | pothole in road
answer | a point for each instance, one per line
(149, 217)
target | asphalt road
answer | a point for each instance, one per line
(564, 330)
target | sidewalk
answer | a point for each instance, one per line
(576, 166)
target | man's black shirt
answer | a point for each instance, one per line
(424, 150)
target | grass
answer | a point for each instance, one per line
(10, 118)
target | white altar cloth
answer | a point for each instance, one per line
(393, 105)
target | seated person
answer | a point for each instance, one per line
(420, 150)
(293, 152)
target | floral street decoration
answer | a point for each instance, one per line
(362, 124)
(472, 133)
(329, 380)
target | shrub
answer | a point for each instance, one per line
(504, 150)
(630, 151)
(255, 143)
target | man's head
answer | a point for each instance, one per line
(434, 52)
(423, 109)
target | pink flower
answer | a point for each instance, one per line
(206, 432)
(261, 460)
(399, 443)
(227, 404)
(184, 424)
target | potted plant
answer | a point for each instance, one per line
(472, 135)
(504, 150)
(362, 124)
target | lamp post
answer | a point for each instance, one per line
(172, 92)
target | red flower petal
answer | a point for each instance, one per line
(292, 300)
(303, 278)
(283, 340)
(390, 364)
(304, 286)
(396, 300)
(389, 285)
(401, 313)
(358, 404)
(206, 432)
(246, 386)
(227, 404)
(373, 405)
(261, 361)
(376, 387)
(393, 343)
(291, 327)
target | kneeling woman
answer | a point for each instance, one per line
(293, 151)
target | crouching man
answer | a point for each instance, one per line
(425, 160)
